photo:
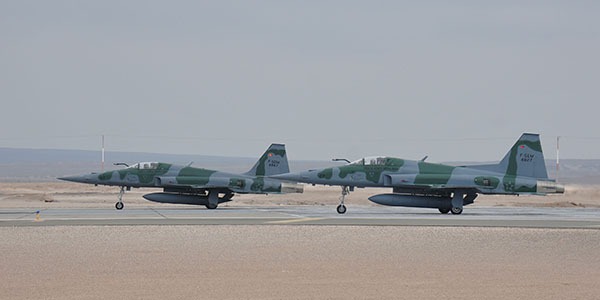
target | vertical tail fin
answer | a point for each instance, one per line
(525, 158)
(272, 162)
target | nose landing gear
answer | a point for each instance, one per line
(341, 209)
(119, 205)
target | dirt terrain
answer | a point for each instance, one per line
(297, 262)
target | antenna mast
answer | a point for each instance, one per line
(103, 153)
(557, 157)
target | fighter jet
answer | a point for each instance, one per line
(198, 186)
(447, 188)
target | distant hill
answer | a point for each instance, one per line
(14, 155)
(47, 164)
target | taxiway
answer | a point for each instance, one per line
(514, 217)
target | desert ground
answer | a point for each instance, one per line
(291, 262)
(297, 262)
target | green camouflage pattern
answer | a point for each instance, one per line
(155, 174)
(191, 181)
(522, 171)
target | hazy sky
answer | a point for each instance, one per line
(455, 80)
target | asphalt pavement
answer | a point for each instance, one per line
(514, 217)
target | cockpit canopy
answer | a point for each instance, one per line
(145, 166)
(371, 160)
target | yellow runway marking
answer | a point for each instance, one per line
(37, 217)
(294, 220)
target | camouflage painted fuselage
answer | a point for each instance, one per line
(198, 186)
(418, 176)
(448, 188)
(183, 178)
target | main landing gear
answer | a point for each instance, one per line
(119, 204)
(460, 198)
(457, 203)
(456, 210)
(341, 209)
(444, 210)
(214, 199)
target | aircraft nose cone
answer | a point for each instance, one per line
(287, 176)
(77, 178)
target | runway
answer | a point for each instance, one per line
(299, 252)
(511, 217)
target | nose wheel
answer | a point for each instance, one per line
(341, 209)
(119, 205)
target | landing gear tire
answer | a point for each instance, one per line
(213, 200)
(119, 204)
(341, 209)
(444, 210)
(456, 210)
